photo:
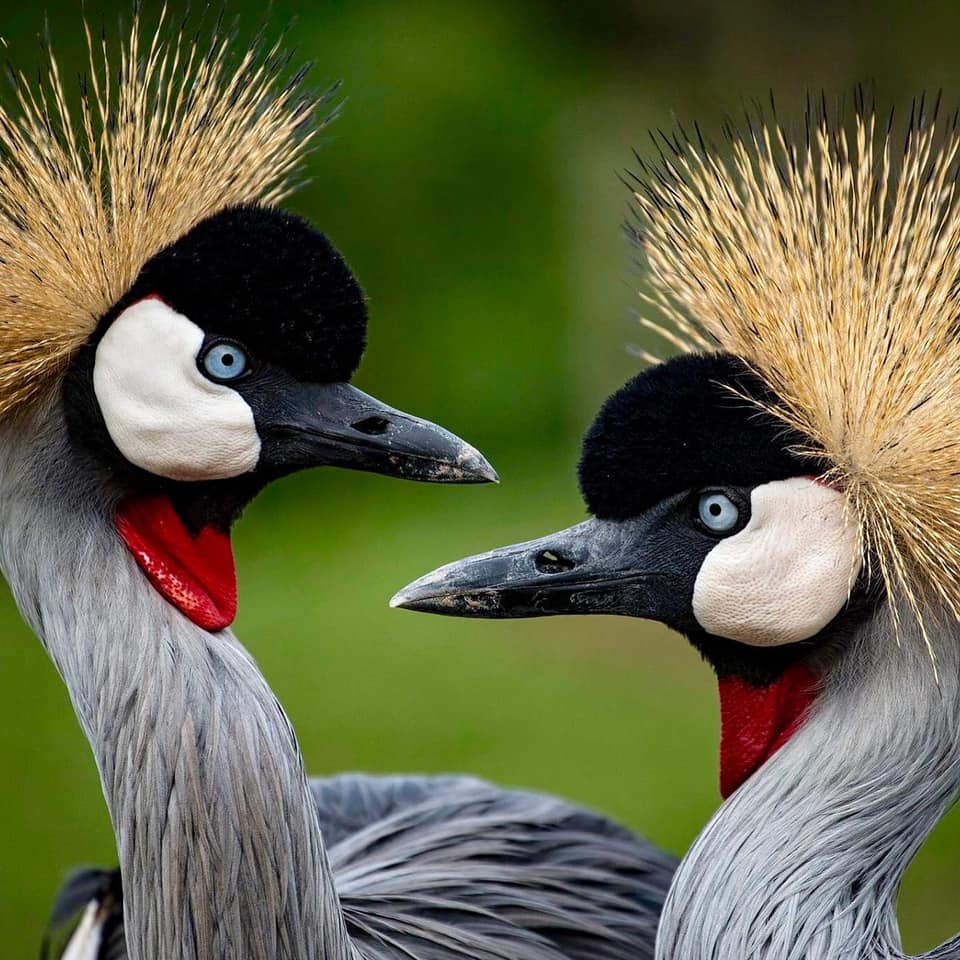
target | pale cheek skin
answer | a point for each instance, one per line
(787, 574)
(160, 411)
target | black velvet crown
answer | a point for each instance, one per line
(270, 280)
(679, 426)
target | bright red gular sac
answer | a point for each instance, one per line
(194, 573)
(756, 721)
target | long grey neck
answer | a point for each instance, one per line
(217, 833)
(805, 860)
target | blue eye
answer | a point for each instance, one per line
(224, 361)
(718, 512)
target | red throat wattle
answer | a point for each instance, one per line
(194, 573)
(756, 721)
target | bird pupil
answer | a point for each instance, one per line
(228, 359)
(715, 509)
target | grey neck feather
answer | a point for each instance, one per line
(216, 829)
(805, 860)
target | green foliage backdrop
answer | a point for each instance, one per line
(472, 183)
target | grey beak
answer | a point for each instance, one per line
(338, 425)
(600, 566)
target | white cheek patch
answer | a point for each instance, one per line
(787, 574)
(163, 414)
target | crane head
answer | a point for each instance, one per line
(230, 359)
(200, 340)
(710, 516)
(224, 367)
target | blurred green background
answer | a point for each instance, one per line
(472, 184)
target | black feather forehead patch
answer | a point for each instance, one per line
(682, 425)
(270, 280)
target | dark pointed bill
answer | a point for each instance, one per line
(596, 567)
(338, 425)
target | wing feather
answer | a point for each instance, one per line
(454, 868)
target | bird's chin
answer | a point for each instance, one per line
(756, 721)
(191, 570)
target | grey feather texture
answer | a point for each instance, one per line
(805, 860)
(453, 867)
(217, 827)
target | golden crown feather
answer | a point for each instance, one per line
(831, 265)
(168, 132)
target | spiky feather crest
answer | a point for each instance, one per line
(167, 133)
(832, 266)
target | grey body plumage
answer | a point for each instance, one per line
(805, 860)
(454, 867)
(217, 827)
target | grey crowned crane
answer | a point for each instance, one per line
(786, 496)
(170, 342)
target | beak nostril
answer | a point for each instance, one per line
(549, 562)
(373, 426)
